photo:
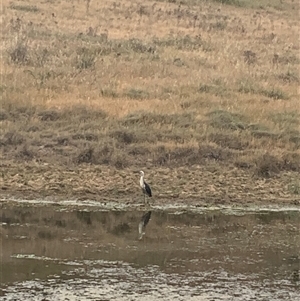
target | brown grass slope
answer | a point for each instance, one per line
(201, 89)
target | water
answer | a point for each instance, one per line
(70, 252)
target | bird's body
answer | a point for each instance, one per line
(143, 223)
(145, 187)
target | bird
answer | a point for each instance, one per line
(143, 223)
(145, 187)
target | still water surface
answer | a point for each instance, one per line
(88, 253)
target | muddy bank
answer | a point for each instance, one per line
(195, 185)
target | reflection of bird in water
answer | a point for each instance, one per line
(143, 223)
(145, 187)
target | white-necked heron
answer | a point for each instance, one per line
(145, 187)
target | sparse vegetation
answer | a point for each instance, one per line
(294, 187)
(178, 84)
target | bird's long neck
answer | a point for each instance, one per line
(142, 181)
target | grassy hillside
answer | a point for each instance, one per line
(162, 84)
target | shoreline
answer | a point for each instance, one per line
(195, 185)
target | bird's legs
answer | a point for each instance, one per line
(146, 202)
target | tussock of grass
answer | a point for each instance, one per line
(227, 120)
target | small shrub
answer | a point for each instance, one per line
(108, 92)
(86, 58)
(19, 53)
(25, 153)
(124, 137)
(267, 166)
(250, 57)
(85, 156)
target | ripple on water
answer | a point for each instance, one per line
(105, 280)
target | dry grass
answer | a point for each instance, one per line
(124, 83)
